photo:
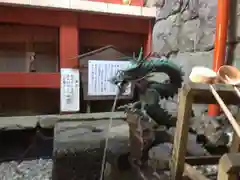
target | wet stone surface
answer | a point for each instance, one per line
(39, 169)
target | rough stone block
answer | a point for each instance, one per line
(78, 148)
(159, 156)
(117, 154)
(193, 148)
(186, 26)
(189, 35)
(165, 33)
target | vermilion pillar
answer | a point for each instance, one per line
(68, 41)
(220, 43)
(148, 40)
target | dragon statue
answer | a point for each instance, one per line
(145, 73)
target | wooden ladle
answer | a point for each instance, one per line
(230, 75)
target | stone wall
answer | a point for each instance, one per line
(184, 31)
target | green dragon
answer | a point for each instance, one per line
(146, 74)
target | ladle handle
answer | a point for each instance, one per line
(225, 110)
(229, 81)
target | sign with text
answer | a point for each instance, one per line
(99, 74)
(70, 90)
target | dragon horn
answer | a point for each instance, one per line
(140, 55)
(134, 57)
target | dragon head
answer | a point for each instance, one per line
(134, 73)
(148, 73)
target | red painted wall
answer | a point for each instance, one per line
(129, 2)
(70, 39)
(18, 102)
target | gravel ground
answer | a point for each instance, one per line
(39, 169)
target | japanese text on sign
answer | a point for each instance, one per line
(70, 95)
(99, 74)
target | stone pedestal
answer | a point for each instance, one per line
(78, 148)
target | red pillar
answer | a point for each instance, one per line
(148, 41)
(220, 43)
(68, 41)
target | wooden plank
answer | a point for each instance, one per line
(229, 167)
(197, 90)
(108, 23)
(181, 135)
(29, 80)
(192, 173)
(203, 160)
(235, 146)
(226, 111)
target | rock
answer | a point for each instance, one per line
(165, 33)
(197, 19)
(161, 136)
(189, 35)
(187, 60)
(210, 171)
(191, 10)
(193, 148)
(166, 8)
(155, 3)
(78, 148)
(207, 11)
(159, 156)
(37, 169)
(117, 154)
(112, 173)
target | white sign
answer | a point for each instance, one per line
(99, 74)
(70, 90)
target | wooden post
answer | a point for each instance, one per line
(148, 40)
(68, 43)
(229, 166)
(235, 146)
(88, 107)
(181, 135)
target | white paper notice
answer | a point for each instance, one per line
(99, 74)
(70, 90)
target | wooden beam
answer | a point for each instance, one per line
(229, 167)
(113, 23)
(13, 33)
(181, 135)
(95, 38)
(225, 91)
(30, 16)
(29, 80)
(235, 146)
(202, 160)
(131, 2)
(53, 18)
(192, 173)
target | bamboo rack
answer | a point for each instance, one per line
(195, 93)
